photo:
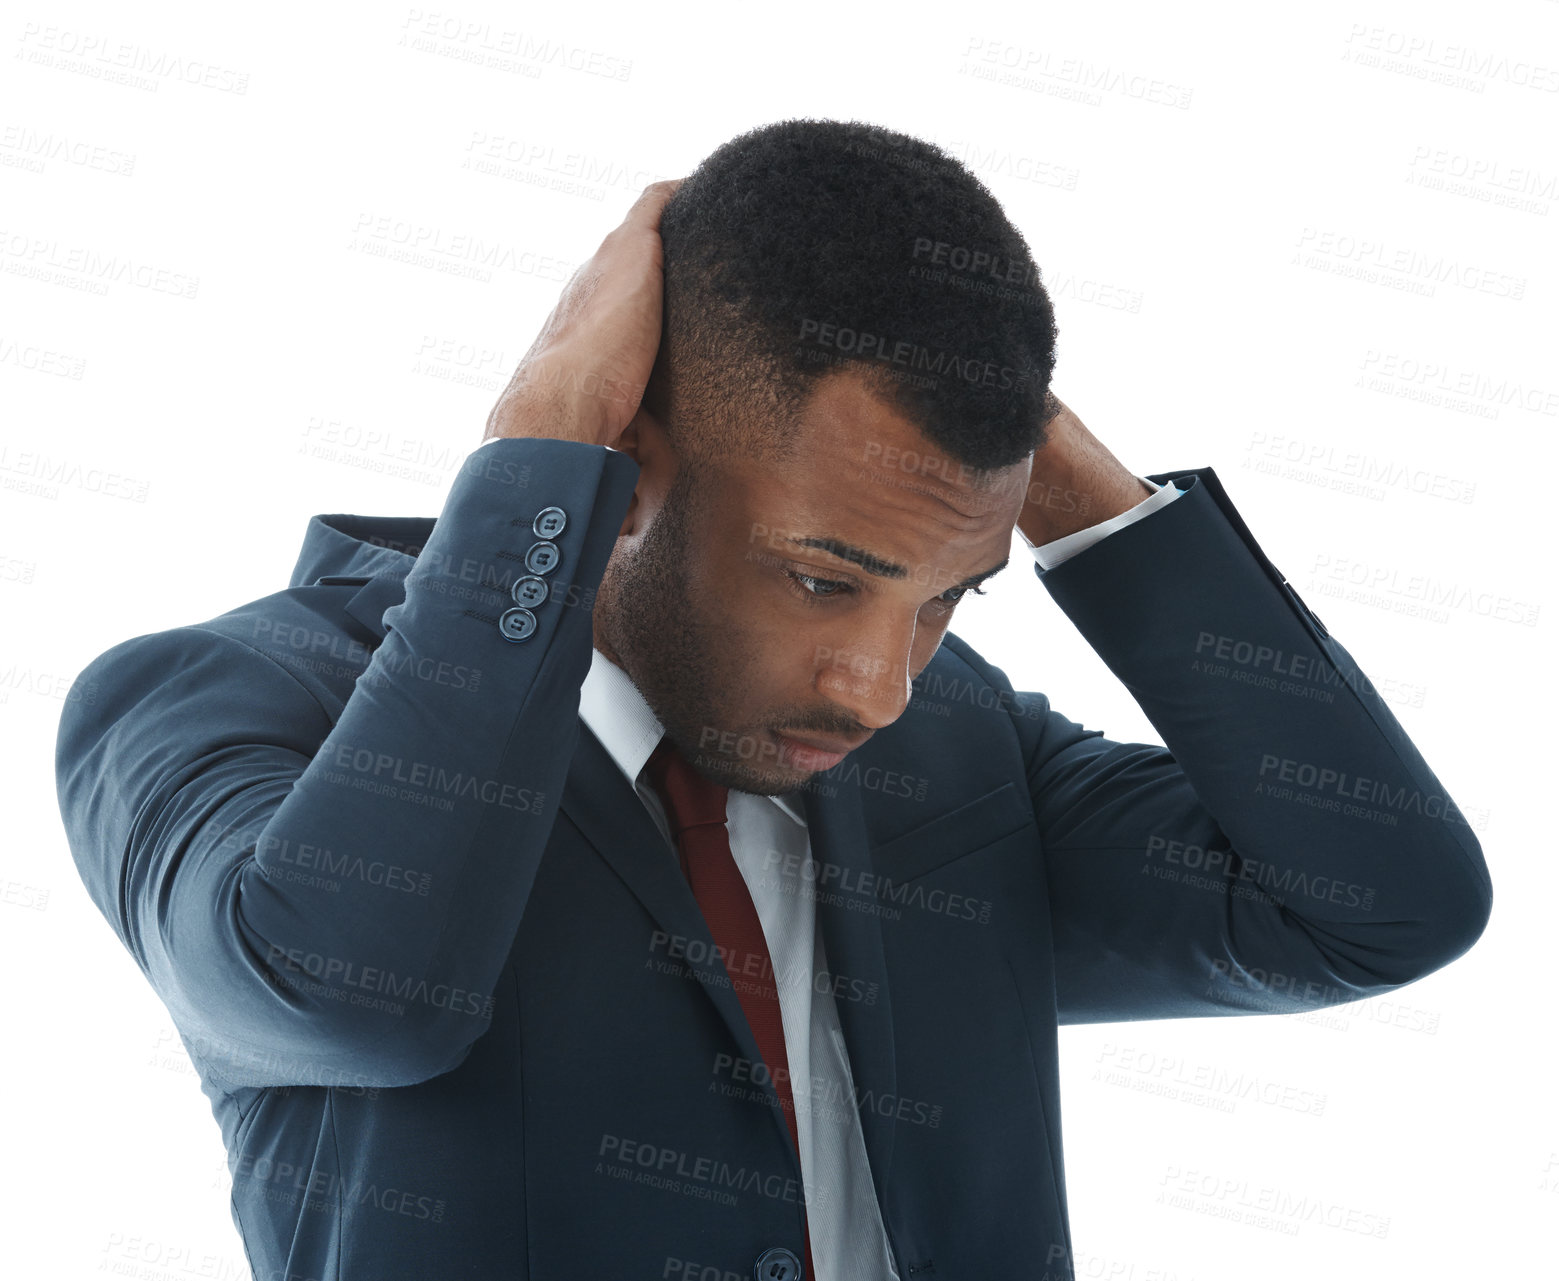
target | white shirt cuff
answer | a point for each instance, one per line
(1049, 555)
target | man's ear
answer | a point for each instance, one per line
(635, 440)
(629, 443)
(644, 440)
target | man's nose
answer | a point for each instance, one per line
(869, 676)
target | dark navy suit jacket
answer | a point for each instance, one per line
(452, 1001)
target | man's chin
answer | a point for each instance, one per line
(768, 779)
(768, 772)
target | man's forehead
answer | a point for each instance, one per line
(846, 423)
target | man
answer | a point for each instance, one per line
(629, 875)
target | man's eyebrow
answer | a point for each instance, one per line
(880, 568)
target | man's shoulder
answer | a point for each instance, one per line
(304, 632)
(309, 632)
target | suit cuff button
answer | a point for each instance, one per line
(529, 591)
(542, 558)
(516, 624)
(549, 522)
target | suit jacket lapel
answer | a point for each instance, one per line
(602, 804)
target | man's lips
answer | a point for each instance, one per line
(815, 753)
(841, 746)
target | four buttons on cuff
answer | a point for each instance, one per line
(519, 623)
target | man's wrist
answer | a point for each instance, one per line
(533, 411)
(1049, 555)
(1053, 511)
(1075, 482)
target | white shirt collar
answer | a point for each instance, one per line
(614, 709)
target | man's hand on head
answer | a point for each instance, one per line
(1074, 481)
(584, 376)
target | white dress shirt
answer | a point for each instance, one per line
(769, 842)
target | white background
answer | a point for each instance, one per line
(1199, 252)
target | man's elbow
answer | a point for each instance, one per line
(1465, 925)
(1460, 922)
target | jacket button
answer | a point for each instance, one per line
(529, 592)
(778, 1264)
(517, 624)
(549, 522)
(542, 558)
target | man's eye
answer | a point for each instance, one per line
(812, 589)
(809, 585)
(978, 591)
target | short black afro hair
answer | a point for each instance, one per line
(805, 247)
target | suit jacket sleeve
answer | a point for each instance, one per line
(199, 775)
(1288, 848)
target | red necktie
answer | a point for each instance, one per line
(695, 811)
